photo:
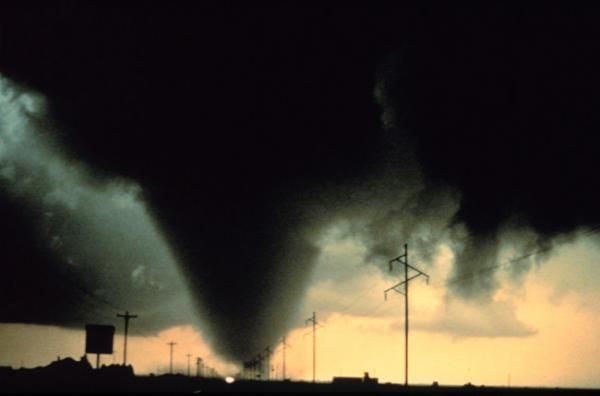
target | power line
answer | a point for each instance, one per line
(374, 285)
(92, 299)
(590, 231)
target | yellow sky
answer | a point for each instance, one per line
(543, 330)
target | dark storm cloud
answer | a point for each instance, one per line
(251, 131)
(501, 106)
(73, 239)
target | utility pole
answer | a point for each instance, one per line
(258, 367)
(259, 363)
(268, 354)
(171, 345)
(198, 364)
(126, 317)
(313, 320)
(189, 355)
(250, 368)
(283, 344)
(403, 259)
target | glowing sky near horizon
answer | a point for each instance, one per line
(542, 331)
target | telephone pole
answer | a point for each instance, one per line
(189, 355)
(403, 259)
(126, 317)
(268, 354)
(255, 367)
(171, 345)
(313, 320)
(198, 365)
(283, 344)
(259, 364)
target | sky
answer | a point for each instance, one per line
(226, 171)
(540, 332)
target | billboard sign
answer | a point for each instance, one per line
(99, 338)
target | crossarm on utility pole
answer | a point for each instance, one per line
(395, 287)
(419, 271)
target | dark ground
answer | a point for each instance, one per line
(69, 376)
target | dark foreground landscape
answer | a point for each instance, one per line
(68, 375)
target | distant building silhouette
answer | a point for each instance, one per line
(355, 380)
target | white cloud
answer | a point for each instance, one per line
(475, 319)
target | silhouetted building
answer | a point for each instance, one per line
(355, 380)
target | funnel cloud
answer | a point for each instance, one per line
(195, 157)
